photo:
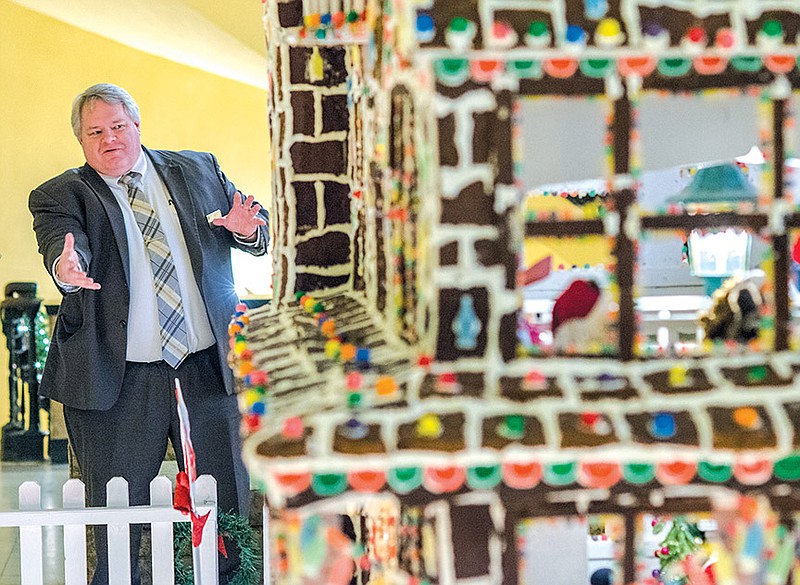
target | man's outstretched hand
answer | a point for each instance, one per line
(68, 267)
(242, 219)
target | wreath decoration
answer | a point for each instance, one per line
(237, 530)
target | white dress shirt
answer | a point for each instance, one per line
(144, 338)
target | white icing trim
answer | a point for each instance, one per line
(633, 224)
(317, 96)
(338, 136)
(337, 270)
(320, 90)
(506, 197)
(611, 224)
(779, 210)
(781, 88)
(454, 179)
(311, 177)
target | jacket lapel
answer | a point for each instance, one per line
(109, 203)
(175, 181)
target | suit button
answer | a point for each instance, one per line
(123, 323)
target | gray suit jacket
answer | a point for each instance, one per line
(86, 362)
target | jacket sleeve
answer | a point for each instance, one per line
(52, 221)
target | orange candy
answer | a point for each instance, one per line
(329, 328)
(347, 352)
(746, 417)
(385, 386)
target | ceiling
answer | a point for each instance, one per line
(224, 37)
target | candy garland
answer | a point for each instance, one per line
(696, 51)
(252, 403)
(336, 347)
(238, 531)
(334, 20)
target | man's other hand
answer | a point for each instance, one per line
(242, 219)
(68, 267)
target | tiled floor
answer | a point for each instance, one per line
(50, 478)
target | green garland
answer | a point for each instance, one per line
(41, 332)
(41, 326)
(238, 531)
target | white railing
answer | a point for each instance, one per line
(117, 516)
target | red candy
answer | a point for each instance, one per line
(293, 428)
(258, 377)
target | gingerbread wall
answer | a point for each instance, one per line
(309, 117)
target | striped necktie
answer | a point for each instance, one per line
(174, 341)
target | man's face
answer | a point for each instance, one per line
(109, 138)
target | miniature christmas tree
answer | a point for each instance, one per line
(682, 539)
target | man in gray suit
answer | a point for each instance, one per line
(138, 241)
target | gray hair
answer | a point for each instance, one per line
(110, 94)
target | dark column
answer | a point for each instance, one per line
(629, 558)
(510, 553)
(780, 243)
(624, 248)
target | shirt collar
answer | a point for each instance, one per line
(141, 166)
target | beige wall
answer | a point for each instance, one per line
(44, 64)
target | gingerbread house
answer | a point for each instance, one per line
(388, 367)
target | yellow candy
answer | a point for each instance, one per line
(239, 347)
(429, 426)
(332, 348)
(608, 27)
(251, 397)
(677, 376)
(316, 66)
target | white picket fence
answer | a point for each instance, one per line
(74, 516)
